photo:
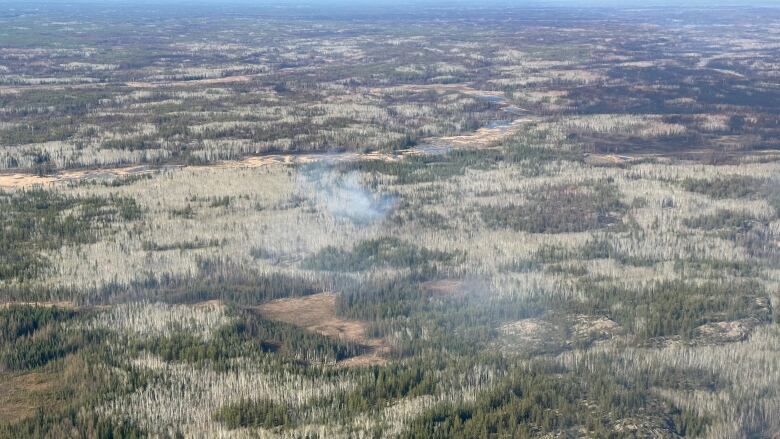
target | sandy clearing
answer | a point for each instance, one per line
(483, 137)
(317, 313)
(25, 180)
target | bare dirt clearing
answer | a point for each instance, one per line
(483, 137)
(20, 394)
(317, 313)
(23, 180)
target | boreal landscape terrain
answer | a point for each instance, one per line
(226, 220)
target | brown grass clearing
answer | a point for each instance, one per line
(317, 313)
(21, 394)
(46, 304)
(59, 384)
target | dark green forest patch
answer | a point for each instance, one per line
(560, 209)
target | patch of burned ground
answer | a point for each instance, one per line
(317, 313)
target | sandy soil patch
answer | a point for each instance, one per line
(22, 180)
(317, 313)
(483, 137)
(25, 180)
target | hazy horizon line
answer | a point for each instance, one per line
(619, 4)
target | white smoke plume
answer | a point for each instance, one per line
(345, 196)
